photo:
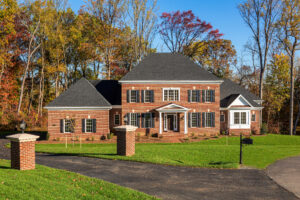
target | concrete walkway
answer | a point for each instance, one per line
(286, 172)
(170, 182)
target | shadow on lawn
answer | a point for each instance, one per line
(221, 163)
(79, 154)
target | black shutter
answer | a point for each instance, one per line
(137, 96)
(190, 120)
(94, 126)
(212, 95)
(126, 122)
(203, 95)
(138, 116)
(203, 119)
(128, 91)
(152, 96)
(143, 120)
(83, 125)
(198, 119)
(72, 125)
(61, 125)
(189, 95)
(142, 96)
(213, 119)
(152, 120)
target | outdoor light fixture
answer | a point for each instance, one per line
(23, 126)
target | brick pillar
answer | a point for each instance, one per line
(126, 140)
(22, 151)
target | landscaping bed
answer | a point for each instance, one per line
(48, 183)
(219, 153)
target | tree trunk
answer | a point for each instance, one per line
(291, 118)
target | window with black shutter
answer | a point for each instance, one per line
(208, 95)
(148, 96)
(194, 95)
(195, 119)
(133, 96)
(134, 119)
(208, 119)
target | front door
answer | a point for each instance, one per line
(170, 122)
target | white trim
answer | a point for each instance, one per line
(160, 123)
(175, 121)
(242, 108)
(163, 109)
(85, 125)
(171, 82)
(79, 108)
(163, 95)
(244, 100)
(185, 123)
(65, 126)
(232, 125)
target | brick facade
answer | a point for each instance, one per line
(112, 113)
(102, 123)
(158, 102)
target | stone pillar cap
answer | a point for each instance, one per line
(125, 128)
(22, 137)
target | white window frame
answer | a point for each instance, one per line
(193, 113)
(239, 125)
(145, 91)
(174, 122)
(85, 123)
(195, 96)
(136, 120)
(65, 125)
(115, 119)
(168, 89)
(130, 92)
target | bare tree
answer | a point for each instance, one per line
(260, 16)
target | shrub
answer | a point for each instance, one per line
(57, 139)
(47, 136)
(103, 137)
(264, 128)
(154, 135)
(110, 136)
(93, 138)
(193, 134)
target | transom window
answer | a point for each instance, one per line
(117, 119)
(68, 125)
(171, 94)
(240, 118)
(89, 125)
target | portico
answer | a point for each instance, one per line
(169, 118)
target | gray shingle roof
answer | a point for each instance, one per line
(110, 89)
(230, 91)
(169, 67)
(80, 94)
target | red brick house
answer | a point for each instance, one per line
(165, 94)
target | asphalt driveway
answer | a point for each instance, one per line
(170, 182)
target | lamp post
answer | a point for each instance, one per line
(23, 126)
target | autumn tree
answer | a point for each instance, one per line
(217, 56)
(260, 16)
(289, 36)
(182, 29)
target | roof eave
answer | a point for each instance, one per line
(173, 81)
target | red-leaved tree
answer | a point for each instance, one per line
(181, 29)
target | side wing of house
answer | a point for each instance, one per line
(80, 111)
(240, 110)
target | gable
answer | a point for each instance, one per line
(240, 101)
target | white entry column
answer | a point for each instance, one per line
(185, 123)
(160, 123)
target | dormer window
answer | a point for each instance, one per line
(171, 94)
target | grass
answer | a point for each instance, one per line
(48, 183)
(210, 153)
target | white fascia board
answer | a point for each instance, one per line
(171, 82)
(244, 100)
(170, 105)
(79, 108)
(242, 108)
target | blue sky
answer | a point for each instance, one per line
(222, 14)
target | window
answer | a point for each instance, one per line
(222, 118)
(208, 119)
(253, 117)
(133, 96)
(194, 119)
(88, 125)
(147, 96)
(171, 94)
(117, 119)
(132, 119)
(68, 126)
(194, 95)
(240, 117)
(208, 95)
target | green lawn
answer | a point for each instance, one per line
(48, 183)
(209, 153)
